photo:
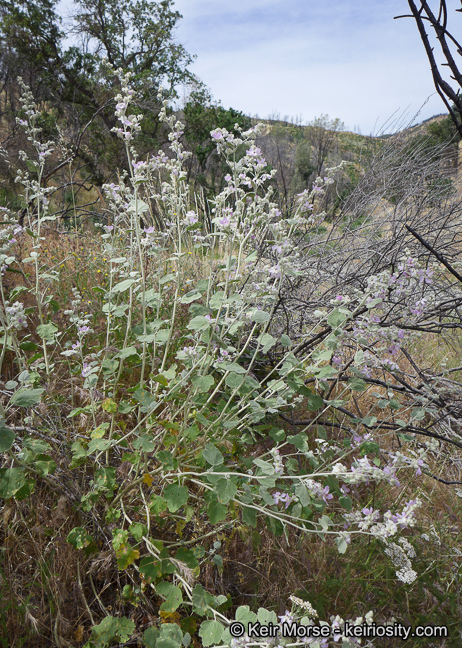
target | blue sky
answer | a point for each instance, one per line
(345, 58)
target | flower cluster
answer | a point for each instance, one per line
(16, 316)
(317, 490)
(131, 124)
(285, 498)
(386, 525)
(9, 234)
(240, 642)
(30, 110)
(304, 605)
(80, 322)
(400, 555)
(277, 461)
(363, 471)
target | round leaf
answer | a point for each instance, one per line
(175, 496)
(210, 632)
(7, 437)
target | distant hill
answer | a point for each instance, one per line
(298, 151)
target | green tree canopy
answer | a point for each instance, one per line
(202, 115)
(74, 80)
(136, 36)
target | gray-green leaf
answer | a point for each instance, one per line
(26, 397)
(7, 437)
(210, 632)
(124, 285)
(47, 331)
(212, 455)
(260, 317)
(175, 496)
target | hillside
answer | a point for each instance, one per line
(299, 153)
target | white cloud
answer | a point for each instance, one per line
(348, 59)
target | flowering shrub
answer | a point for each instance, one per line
(188, 377)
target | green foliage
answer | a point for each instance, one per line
(172, 594)
(176, 497)
(80, 539)
(203, 115)
(169, 635)
(12, 480)
(137, 36)
(211, 632)
(32, 29)
(443, 131)
(24, 397)
(304, 167)
(110, 630)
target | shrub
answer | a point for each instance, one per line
(168, 409)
